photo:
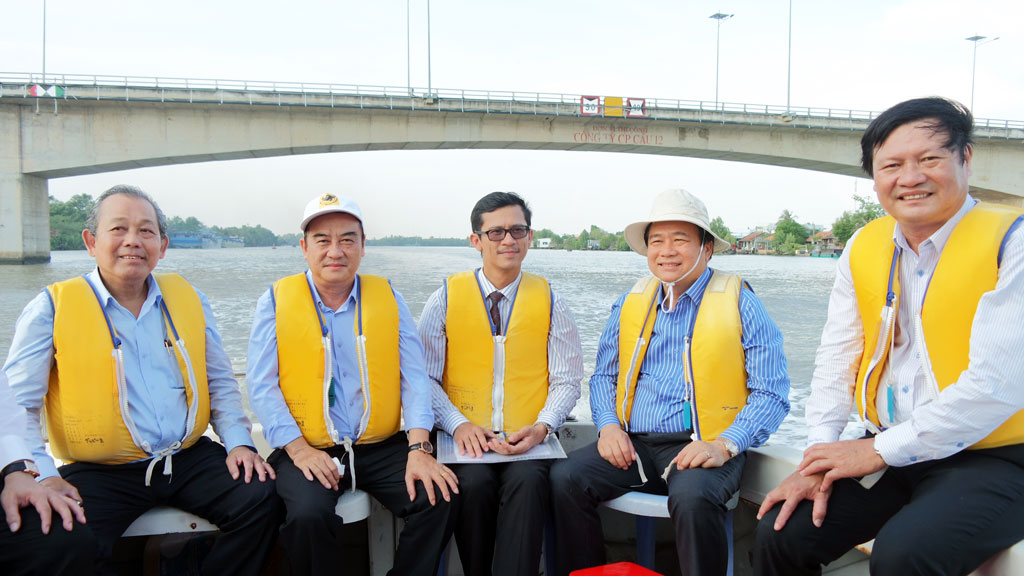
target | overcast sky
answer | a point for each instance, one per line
(864, 55)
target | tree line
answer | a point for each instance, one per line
(67, 220)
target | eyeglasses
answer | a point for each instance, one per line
(498, 234)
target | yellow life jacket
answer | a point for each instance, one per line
(715, 362)
(968, 268)
(305, 363)
(498, 382)
(87, 415)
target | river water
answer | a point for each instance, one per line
(793, 289)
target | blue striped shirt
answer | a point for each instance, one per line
(658, 403)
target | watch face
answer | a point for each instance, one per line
(424, 446)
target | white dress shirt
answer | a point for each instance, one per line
(12, 427)
(923, 428)
(565, 355)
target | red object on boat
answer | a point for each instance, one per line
(617, 569)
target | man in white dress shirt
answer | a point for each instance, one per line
(504, 356)
(44, 531)
(923, 340)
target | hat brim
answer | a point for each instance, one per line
(634, 233)
(327, 210)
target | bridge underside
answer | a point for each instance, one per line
(86, 137)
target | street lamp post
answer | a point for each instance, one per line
(974, 62)
(789, 55)
(718, 16)
(408, 49)
(44, 41)
(430, 85)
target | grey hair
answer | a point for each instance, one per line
(92, 221)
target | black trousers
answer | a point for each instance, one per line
(248, 515)
(29, 552)
(940, 517)
(311, 526)
(697, 501)
(504, 503)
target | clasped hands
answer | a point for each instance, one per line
(473, 440)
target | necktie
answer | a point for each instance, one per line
(495, 297)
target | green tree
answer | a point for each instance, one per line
(850, 222)
(621, 245)
(789, 233)
(722, 231)
(67, 220)
(175, 224)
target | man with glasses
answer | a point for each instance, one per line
(334, 363)
(131, 370)
(504, 356)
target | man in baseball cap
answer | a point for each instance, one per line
(334, 362)
(690, 373)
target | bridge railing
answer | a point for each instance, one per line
(204, 90)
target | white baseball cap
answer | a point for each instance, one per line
(327, 203)
(676, 205)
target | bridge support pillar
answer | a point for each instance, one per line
(24, 202)
(24, 219)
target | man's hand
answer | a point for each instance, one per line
(614, 445)
(795, 489)
(843, 459)
(242, 456)
(700, 454)
(314, 463)
(62, 487)
(472, 439)
(21, 489)
(423, 467)
(520, 441)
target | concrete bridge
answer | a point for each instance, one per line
(97, 124)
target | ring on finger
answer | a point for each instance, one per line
(707, 454)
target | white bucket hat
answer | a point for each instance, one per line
(327, 203)
(676, 205)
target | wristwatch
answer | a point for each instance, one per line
(27, 466)
(424, 446)
(730, 446)
(547, 427)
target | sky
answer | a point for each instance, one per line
(865, 55)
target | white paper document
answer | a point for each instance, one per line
(448, 453)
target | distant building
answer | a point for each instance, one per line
(755, 243)
(825, 244)
(593, 244)
(542, 243)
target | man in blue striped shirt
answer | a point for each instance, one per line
(690, 373)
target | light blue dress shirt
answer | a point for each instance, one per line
(156, 392)
(268, 402)
(658, 403)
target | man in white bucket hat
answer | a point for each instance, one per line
(690, 373)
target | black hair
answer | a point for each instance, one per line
(494, 201)
(946, 116)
